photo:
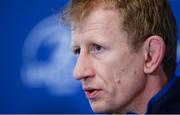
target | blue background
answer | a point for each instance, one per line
(17, 20)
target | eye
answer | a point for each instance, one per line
(77, 51)
(97, 48)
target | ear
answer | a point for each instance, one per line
(154, 49)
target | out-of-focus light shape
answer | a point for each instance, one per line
(178, 60)
(178, 52)
(50, 40)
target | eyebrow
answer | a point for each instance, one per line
(73, 44)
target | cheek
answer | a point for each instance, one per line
(129, 77)
(127, 69)
(106, 78)
(106, 75)
(121, 81)
(113, 70)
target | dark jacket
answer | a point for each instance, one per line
(168, 99)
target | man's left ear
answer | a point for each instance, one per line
(154, 49)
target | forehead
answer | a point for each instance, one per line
(102, 26)
(99, 17)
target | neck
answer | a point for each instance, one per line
(154, 84)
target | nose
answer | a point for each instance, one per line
(83, 68)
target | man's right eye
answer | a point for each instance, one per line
(77, 51)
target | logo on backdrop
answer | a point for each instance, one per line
(47, 59)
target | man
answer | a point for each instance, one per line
(126, 54)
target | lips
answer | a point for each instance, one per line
(92, 93)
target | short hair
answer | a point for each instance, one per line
(141, 19)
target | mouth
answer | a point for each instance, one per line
(92, 93)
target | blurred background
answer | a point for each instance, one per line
(36, 62)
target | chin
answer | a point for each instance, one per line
(98, 107)
(99, 110)
(107, 107)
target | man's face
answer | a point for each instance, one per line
(111, 74)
